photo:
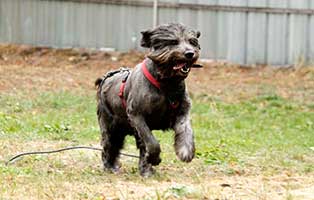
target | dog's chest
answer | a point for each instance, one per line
(162, 113)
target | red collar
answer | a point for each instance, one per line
(149, 76)
(173, 104)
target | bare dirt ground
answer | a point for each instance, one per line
(24, 68)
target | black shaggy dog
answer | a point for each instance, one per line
(152, 96)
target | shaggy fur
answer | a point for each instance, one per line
(174, 49)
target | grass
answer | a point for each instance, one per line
(266, 135)
(61, 116)
(269, 129)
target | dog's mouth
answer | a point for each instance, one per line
(184, 68)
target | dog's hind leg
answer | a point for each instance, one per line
(111, 139)
(112, 142)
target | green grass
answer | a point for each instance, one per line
(266, 135)
(270, 129)
(56, 116)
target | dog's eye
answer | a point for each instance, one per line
(173, 42)
(193, 42)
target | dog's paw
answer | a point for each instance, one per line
(185, 153)
(115, 169)
(147, 171)
(154, 160)
(152, 155)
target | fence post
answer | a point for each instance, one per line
(155, 13)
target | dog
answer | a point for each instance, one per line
(152, 96)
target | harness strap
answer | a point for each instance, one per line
(122, 86)
(121, 94)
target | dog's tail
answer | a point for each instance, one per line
(98, 82)
(103, 111)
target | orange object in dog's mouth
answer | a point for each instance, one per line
(183, 67)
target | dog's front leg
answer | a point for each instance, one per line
(184, 137)
(149, 146)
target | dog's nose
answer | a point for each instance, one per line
(189, 54)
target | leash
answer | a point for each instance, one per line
(11, 160)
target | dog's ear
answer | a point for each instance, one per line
(146, 38)
(198, 34)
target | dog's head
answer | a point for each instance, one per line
(173, 47)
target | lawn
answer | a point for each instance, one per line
(264, 136)
(254, 132)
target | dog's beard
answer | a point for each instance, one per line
(171, 64)
(178, 70)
